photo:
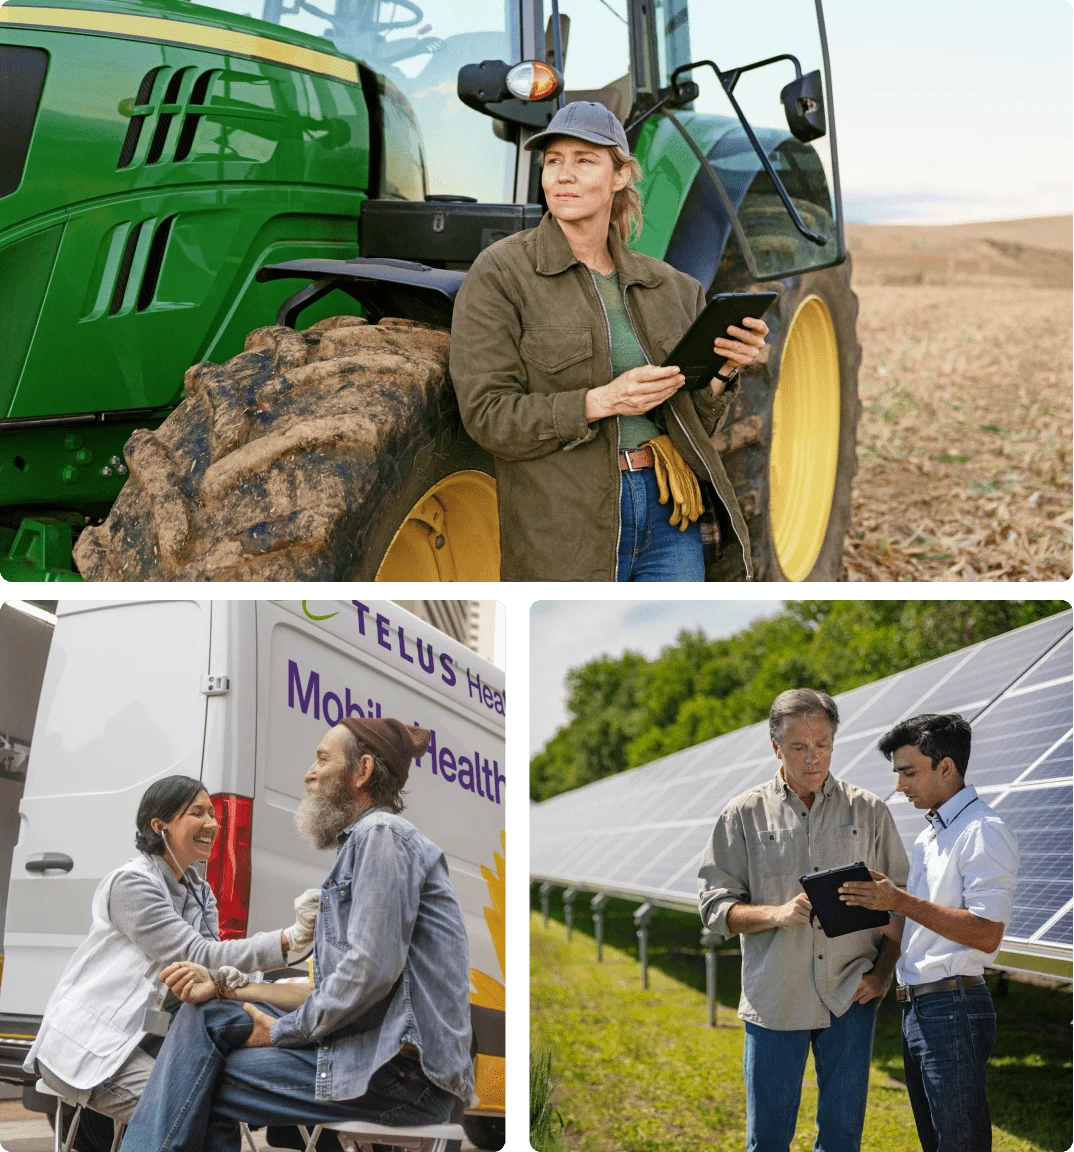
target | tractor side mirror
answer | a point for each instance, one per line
(518, 93)
(803, 101)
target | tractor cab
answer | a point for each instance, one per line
(756, 120)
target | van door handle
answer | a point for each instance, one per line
(47, 861)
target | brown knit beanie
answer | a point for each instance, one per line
(396, 743)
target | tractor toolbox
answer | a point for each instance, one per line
(439, 230)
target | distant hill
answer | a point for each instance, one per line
(1033, 252)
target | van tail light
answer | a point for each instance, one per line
(228, 872)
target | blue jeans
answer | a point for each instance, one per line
(947, 1038)
(204, 1082)
(774, 1064)
(649, 547)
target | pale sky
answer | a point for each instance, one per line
(952, 110)
(946, 111)
(567, 633)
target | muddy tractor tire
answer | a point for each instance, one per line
(789, 447)
(333, 453)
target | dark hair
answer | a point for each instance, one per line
(934, 735)
(800, 702)
(163, 800)
(383, 787)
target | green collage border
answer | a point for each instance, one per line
(515, 599)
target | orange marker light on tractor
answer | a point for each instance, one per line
(532, 80)
(228, 871)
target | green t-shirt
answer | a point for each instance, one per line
(626, 354)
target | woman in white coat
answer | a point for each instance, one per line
(106, 1017)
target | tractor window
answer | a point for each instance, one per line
(420, 48)
(718, 31)
(596, 52)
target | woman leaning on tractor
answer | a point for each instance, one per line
(556, 336)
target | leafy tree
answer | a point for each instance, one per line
(603, 698)
(630, 710)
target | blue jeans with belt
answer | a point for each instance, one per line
(204, 1082)
(774, 1063)
(947, 1038)
(650, 549)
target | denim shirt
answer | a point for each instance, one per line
(391, 965)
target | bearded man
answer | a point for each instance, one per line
(383, 1033)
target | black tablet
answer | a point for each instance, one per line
(837, 918)
(694, 355)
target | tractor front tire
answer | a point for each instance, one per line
(790, 448)
(334, 453)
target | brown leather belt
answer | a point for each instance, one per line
(912, 991)
(634, 459)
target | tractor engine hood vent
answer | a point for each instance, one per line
(184, 98)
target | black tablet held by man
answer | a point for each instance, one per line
(694, 355)
(837, 918)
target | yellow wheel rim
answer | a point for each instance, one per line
(452, 533)
(805, 440)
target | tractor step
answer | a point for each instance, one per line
(38, 550)
(383, 288)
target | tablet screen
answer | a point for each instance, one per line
(837, 918)
(694, 355)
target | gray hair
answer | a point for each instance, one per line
(800, 702)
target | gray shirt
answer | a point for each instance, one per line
(391, 964)
(796, 978)
(169, 930)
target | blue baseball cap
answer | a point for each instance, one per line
(584, 120)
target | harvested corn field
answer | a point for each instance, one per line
(964, 446)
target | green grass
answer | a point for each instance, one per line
(640, 1071)
(546, 1125)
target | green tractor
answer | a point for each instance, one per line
(183, 181)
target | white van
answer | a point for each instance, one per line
(238, 695)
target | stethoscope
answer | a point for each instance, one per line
(201, 901)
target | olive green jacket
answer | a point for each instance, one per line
(529, 338)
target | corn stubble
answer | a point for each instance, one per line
(964, 466)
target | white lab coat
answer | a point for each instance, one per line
(93, 1020)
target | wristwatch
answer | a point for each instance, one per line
(728, 380)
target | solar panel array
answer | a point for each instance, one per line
(641, 833)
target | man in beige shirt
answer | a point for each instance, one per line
(801, 989)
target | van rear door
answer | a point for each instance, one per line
(24, 645)
(25, 636)
(121, 705)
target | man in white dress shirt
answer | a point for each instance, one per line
(956, 905)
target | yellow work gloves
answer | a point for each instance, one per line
(675, 480)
